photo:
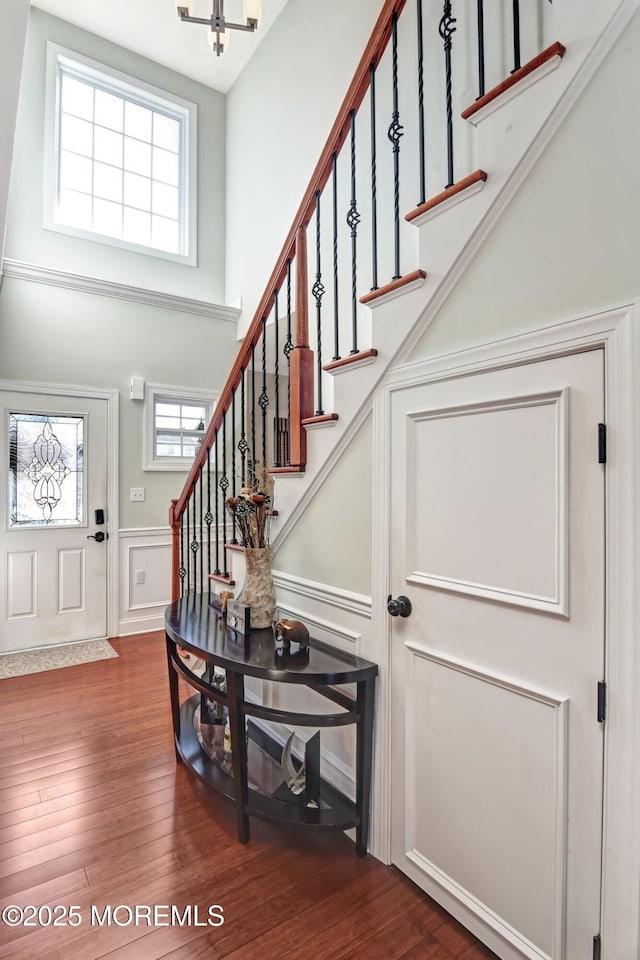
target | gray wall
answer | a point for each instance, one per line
(12, 38)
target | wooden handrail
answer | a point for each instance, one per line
(354, 97)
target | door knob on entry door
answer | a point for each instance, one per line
(98, 537)
(400, 607)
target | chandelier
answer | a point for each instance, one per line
(218, 33)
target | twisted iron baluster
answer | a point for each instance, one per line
(188, 551)
(208, 517)
(318, 292)
(395, 133)
(423, 184)
(201, 534)
(288, 347)
(516, 36)
(252, 471)
(182, 569)
(243, 446)
(217, 507)
(353, 219)
(446, 29)
(480, 49)
(374, 180)
(336, 320)
(263, 399)
(195, 546)
(234, 537)
(276, 386)
(224, 486)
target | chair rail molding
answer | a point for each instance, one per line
(20, 270)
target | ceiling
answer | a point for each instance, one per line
(152, 29)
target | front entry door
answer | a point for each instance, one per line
(54, 480)
(497, 539)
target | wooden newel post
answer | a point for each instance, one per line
(302, 363)
(174, 523)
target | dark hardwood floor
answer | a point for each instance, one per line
(94, 811)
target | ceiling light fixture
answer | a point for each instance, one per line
(218, 34)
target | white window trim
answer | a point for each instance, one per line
(127, 85)
(154, 391)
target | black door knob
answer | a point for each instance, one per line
(98, 537)
(400, 607)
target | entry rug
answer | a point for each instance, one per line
(52, 658)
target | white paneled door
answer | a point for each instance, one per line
(53, 520)
(497, 539)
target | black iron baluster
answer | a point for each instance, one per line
(516, 36)
(374, 180)
(336, 311)
(188, 549)
(318, 292)
(263, 399)
(446, 29)
(208, 518)
(194, 542)
(201, 534)
(353, 219)
(276, 387)
(234, 534)
(182, 570)
(252, 471)
(288, 347)
(243, 446)
(395, 133)
(480, 49)
(217, 507)
(224, 486)
(423, 184)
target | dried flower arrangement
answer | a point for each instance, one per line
(251, 509)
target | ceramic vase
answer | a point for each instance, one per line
(258, 590)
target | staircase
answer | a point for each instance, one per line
(440, 126)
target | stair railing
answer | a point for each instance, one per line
(280, 380)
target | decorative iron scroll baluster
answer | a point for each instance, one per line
(374, 180)
(336, 320)
(194, 543)
(187, 550)
(422, 164)
(395, 133)
(516, 36)
(480, 49)
(288, 347)
(243, 446)
(182, 569)
(208, 517)
(217, 504)
(234, 537)
(276, 386)
(252, 467)
(263, 399)
(201, 534)
(353, 219)
(318, 292)
(224, 486)
(446, 29)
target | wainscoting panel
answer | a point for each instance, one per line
(145, 578)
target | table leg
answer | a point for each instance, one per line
(235, 693)
(364, 759)
(175, 696)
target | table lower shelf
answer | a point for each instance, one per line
(334, 812)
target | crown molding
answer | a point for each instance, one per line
(20, 270)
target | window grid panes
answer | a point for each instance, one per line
(46, 470)
(178, 427)
(120, 162)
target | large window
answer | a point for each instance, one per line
(175, 424)
(120, 159)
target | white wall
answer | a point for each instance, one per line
(12, 38)
(279, 113)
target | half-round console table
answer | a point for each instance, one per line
(192, 624)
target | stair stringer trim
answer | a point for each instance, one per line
(445, 248)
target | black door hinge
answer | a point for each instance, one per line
(602, 443)
(602, 701)
(597, 947)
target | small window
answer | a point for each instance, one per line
(120, 159)
(175, 424)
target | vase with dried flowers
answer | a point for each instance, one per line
(251, 511)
